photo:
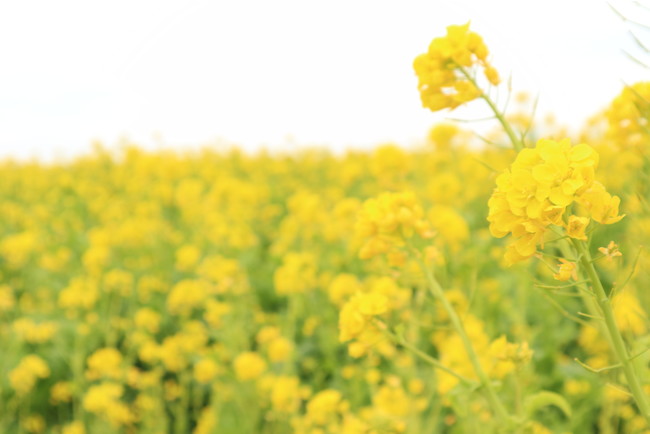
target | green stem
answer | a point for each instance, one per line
(618, 344)
(516, 142)
(424, 356)
(182, 406)
(438, 293)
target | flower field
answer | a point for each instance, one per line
(469, 285)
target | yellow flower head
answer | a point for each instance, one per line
(387, 221)
(538, 191)
(443, 71)
(628, 115)
(23, 377)
(611, 251)
(205, 370)
(567, 271)
(249, 366)
(104, 363)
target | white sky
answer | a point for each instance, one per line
(335, 73)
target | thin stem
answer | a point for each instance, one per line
(438, 293)
(424, 356)
(618, 344)
(516, 142)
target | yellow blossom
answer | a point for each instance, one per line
(104, 363)
(537, 190)
(24, 376)
(205, 370)
(443, 71)
(249, 366)
(567, 270)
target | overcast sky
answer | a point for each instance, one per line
(279, 73)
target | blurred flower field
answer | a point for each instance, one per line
(225, 292)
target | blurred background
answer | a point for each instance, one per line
(282, 74)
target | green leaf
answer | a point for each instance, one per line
(544, 399)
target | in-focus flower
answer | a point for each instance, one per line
(538, 191)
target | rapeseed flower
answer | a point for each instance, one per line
(538, 191)
(443, 70)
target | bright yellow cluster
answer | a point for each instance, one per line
(388, 223)
(361, 316)
(104, 400)
(358, 312)
(567, 270)
(154, 291)
(443, 71)
(249, 365)
(628, 117)
(296, 275)
(104, 363)
(23, 377)
(277, 348)
(34, 333)
(538, 191)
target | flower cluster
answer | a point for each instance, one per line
(628, 116)
(361, 316)
(539, 190)
(385, 223)
(443, 71)
(23, 377)
(104, 400)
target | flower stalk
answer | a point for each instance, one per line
(438, 293)
(516, 142)
(615, 337)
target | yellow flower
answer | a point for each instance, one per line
(215, 311)
(627, 117)
(342, 286)
(575, 227)
(280, 349)
(297, 274)
(392, 401)
(187, 257)
(76, 427)
(602, 206)
(492, 75)
(33, 423)
(450, 225)
(538, 189)
(373, 304)
(34, 333)
(357, 313)
(286, 394)
(249, 366)
(611, 251)
(7, 298)
(630, 316)
(61, 392)
(147, 319)
(104, 363)
(207, 421)
(323, 406)
(387, 221)
(205, 370)
(442, 71)
(351, 321)
(104, 400)
(187, 295)
(24, 376)
(567, 270)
